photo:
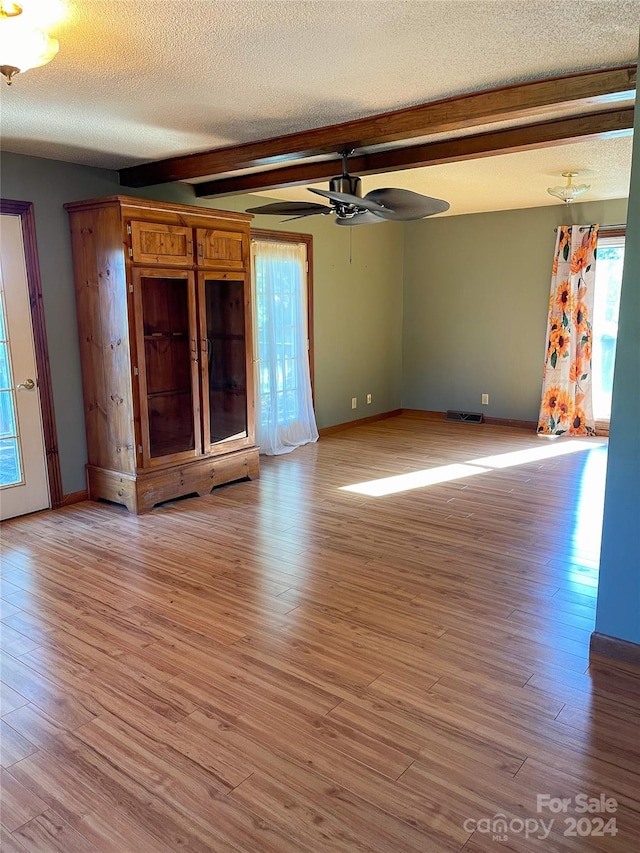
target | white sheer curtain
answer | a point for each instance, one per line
(284, 407)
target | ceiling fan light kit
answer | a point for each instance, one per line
(22, 46)
(350, 207)
(570, 191)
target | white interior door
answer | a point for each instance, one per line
(24, 483)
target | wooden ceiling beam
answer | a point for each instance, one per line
(463, 111)
(522, 138)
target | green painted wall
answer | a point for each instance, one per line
(476, 292)
(358, 304)
(618, 611)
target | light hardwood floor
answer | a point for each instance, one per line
(285, 666)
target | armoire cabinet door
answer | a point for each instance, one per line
(168, 354)
(227, 384)
(221, 249)
(155, 243)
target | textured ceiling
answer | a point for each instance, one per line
(509, 181)
(139, 81)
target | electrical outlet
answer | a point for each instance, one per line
(354, 402)
(485, 399)
(368, 399)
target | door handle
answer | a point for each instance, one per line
(27, 385)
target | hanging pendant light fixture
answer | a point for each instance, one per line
(22, 46)
(569, 192)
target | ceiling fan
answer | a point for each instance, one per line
(352, 208)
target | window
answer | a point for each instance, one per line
(281, 327)
(284, 404)
(610, 259)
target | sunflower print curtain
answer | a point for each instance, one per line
(566, 407)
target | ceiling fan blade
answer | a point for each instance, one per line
(290, 208)
(405, 205)
(323, 212)
(366, 218)
(347, 198)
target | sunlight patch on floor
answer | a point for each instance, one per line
(413, 480)
(587, 529)
(533, 454)
(445, 473)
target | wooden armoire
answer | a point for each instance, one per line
(164, 318)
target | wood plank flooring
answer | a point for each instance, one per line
(287, 667)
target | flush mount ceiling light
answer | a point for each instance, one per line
(22, 45)
(571, 191)
(10, 10)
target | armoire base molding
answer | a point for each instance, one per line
(141, 492)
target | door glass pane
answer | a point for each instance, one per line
(7, 415)
(5, 371)
(224, 302)
(10, 462)
(10, 468)
(609, 264)
(167, 345)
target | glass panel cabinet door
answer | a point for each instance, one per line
(223, 310)
(168, 364)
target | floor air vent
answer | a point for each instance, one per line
(467, 417)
